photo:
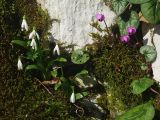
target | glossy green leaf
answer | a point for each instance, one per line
(119, 6)
(149, 52)
(54, 73)
(79, 57)
(20, 43)
(138, 1)
(56, 86)
(130, 20)
(141, 112)
(151, 11)
(84, 80)
(144, 66)
(139, 86)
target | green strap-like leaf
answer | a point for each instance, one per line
(81, 95)
(119, 6)
(83, 72)
(141, 85)
(20, 43)
(151, 11)
(32, 67)
(142, 112)
(138, 1)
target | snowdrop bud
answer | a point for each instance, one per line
(34, 34)
(24, 25)
(72, 98)
(19, 64)
(56, 49)
(33, 44)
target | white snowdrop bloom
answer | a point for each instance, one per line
(72, 98)
(19, 64)
(56, 49)
(33, 44)
(34, 34)
(24, 25)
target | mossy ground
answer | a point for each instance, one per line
(22, 97)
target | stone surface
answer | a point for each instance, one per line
(73, 18)
(147, 32)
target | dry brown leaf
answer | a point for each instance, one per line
(51, 82)
(141, 18)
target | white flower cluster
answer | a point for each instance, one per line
(33, 36)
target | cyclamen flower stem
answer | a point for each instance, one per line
(137, 41)
(154, 91)
(106, 27)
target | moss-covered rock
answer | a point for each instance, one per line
(116, 65)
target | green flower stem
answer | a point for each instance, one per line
(62, 71)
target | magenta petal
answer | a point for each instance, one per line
(125, 38)
(100, 17)
(131, 30)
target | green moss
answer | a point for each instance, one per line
(117, 67)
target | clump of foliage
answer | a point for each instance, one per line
(22, 97)
(117, 65)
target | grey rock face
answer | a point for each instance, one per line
(74, 18)
(150, 31)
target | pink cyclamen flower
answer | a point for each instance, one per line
(131, 30)
(100, 17)
(125, 38)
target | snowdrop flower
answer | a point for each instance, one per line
(19, 64)
(33, 44)
(72, 98)
(34, 34)
(24, 25)
(56, 49)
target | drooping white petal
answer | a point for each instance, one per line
(31, 35)
(19, 64)
(56, 49)
(72, 98)
(37, 35)
(33, 44)
(24, 25)
(34, 35)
